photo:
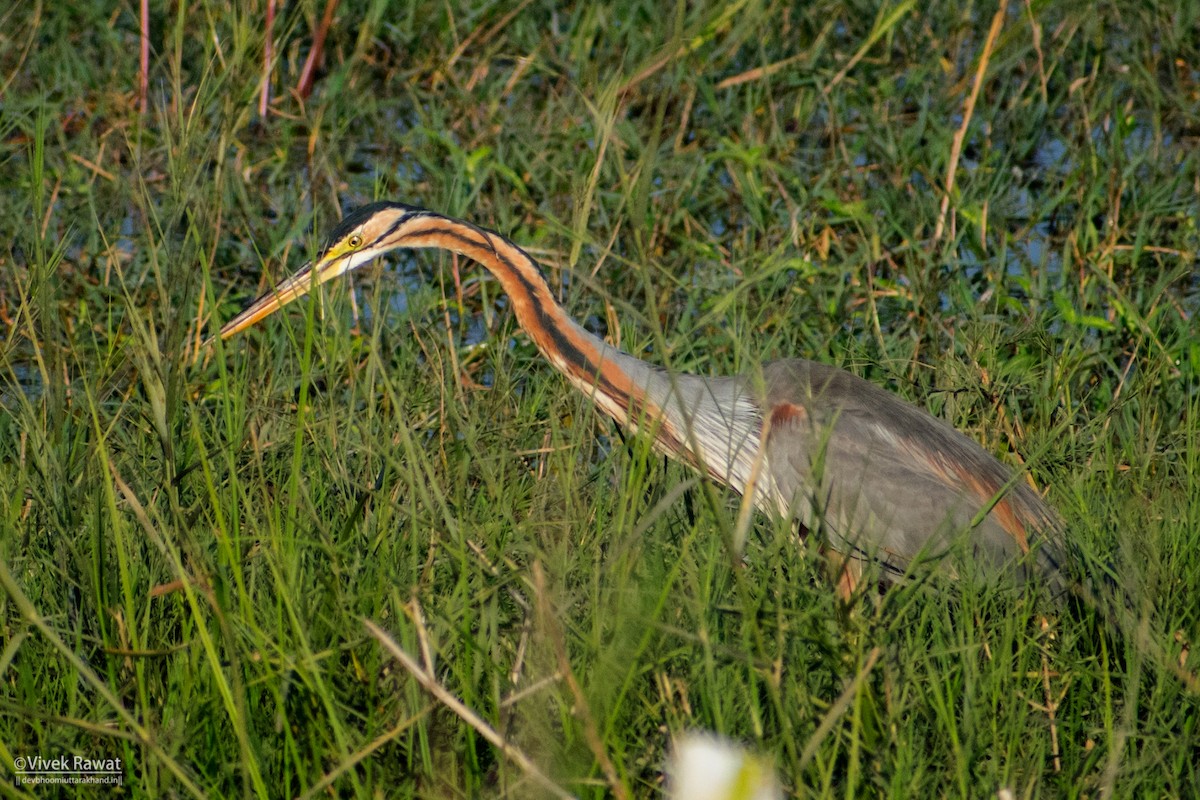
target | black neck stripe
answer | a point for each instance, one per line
(560, 340)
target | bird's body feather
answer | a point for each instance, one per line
(884, 479)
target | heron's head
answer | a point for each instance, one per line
(365, 234)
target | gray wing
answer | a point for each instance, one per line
(887, 481)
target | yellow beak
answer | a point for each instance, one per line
(298, 285)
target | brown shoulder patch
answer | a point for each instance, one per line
(787, 414)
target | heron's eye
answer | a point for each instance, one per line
(354, 242)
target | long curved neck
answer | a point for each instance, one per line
(615, 378)
(711, 423)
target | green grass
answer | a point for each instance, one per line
(191, 543)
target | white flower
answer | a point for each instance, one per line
(704, 766)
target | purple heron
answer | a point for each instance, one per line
(881, 479)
